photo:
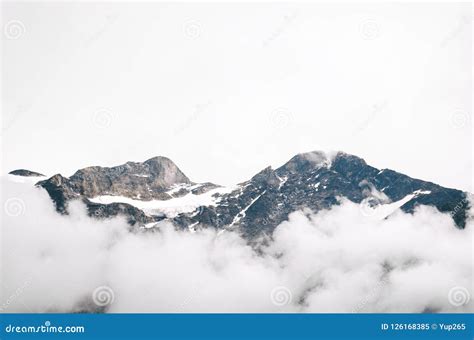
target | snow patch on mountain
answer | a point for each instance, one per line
(381, 211)
(242, 214)
(172, 207)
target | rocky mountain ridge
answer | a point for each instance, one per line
(157, 190)
(25, 173)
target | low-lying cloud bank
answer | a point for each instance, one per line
(334, 261)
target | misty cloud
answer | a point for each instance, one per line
(334, 261)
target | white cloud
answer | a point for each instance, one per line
(335, 261)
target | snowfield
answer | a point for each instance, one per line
(172, 207)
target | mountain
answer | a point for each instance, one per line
(313, 180)
(153, 179)
(25, 173)
(157, 190)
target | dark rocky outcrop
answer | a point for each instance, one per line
(152, 179)
(315, 181)
(25, 173)
(307, 181)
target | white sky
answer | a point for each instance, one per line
(225, 90)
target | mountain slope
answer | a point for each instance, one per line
(157, 178)
(315, 181)
(158, 190)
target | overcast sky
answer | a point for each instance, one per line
(225, 90)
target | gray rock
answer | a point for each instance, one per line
(25, 173)
(150, 180)
(315, 182)
(146, 181)
(307, 181)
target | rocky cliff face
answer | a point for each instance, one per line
(307, 181)
(148, 180)
(315, 181)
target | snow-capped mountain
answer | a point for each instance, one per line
(157, 190)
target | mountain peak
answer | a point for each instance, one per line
(266, 176)
(312, 180)
(165, 170)
(146, 181)
(158, 159)
(306, 161)
(25, 173)
(347, 156)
